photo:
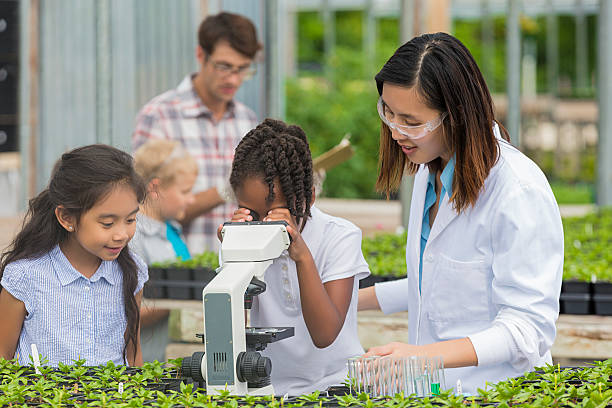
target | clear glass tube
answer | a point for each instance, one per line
(436, 370)
(386, 376)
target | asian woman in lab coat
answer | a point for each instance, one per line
(485, 241)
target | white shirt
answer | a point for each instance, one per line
(150, 240)
(298, 366)
(492, 274)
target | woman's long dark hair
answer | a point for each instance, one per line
(80, 179)
(277, 150)
(448, 79)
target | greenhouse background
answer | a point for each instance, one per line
(81, 69)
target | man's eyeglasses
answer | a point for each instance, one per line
(411, 132)
(245, 72)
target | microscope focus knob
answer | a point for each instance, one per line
(252, 367)
(192, 366)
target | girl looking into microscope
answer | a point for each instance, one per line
(313, 285)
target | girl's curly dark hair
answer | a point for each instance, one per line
(276, 150)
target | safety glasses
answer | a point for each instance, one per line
(411, 132)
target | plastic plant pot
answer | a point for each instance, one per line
(155, 288)
(602, 298)
(371, 280)
(338, 390)
(576, 298)
(201, 277)
(157, 273)
(178, 283)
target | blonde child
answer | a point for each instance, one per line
(312, 286)
(169, 173)
(70, 284)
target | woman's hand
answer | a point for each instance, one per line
(240, 215)
(455, 353)
(395, 349)
(298, 250)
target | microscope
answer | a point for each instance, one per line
(231, 360)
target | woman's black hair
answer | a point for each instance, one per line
(447, 78)
(276, 150)
(80, 179)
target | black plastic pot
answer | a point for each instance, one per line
(155, 288)
(576, 298)
(602, 298)
(178, 284)
(340, 390)
(201, 277)
(371, 280)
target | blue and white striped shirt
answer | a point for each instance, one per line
(69, 316)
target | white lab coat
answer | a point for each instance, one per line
(492, 274)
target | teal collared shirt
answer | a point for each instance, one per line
(430, 199)
(173, 234)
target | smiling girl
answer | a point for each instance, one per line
(70, 285)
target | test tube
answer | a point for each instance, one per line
(371, 375)
(385, 376)
(420, 375)
(351, 365)
(436, 372)
(406, 384)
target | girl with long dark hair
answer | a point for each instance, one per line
(70, 285)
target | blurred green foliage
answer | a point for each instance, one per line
(577, 193)
(588, 249)
(334, 96)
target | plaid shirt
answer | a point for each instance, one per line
(179, 114)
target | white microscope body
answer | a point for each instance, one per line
(248, 249)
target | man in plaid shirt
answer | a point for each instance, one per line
(202, 114)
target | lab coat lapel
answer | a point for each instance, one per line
(446, 214)
(413, 250)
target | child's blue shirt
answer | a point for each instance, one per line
(69, 316)
(173, 234)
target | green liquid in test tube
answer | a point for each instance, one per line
(435, 388)
(436, 368)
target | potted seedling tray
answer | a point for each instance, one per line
(156, 385)
(183, 280)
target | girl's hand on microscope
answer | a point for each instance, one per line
(298, 250)
(240, 215)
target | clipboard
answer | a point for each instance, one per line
(334, 156)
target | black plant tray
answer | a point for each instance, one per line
(602, 298)
(373, 279)
(603, 304)
(177, 283)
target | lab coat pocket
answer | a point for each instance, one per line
(460, 296)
